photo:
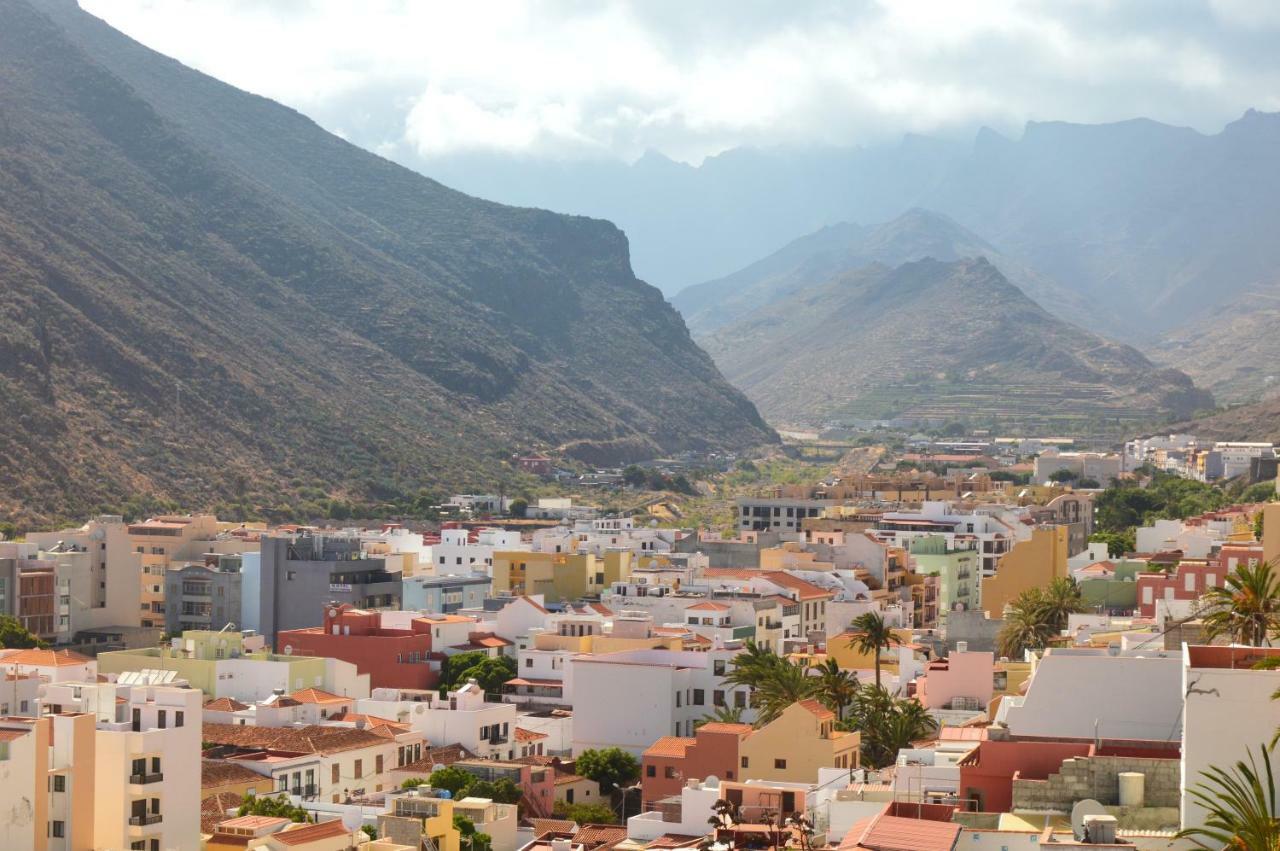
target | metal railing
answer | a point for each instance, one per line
(141, 779)
(143, 821)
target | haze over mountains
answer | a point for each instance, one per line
(939, 340)
(206, 296)
(1144, 220)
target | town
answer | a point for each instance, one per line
(943, 650)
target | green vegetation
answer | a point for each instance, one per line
(586, 813)
(1245, 608)
(1036, 616)
(1241, 807)
(14, 635)
(1118, 543)
(872, 635)
(275, 806)
(610, 767)
(461, 784)
(887, 724)
(472, 839)
(489, 672)
(1126, 505)
(655, 480)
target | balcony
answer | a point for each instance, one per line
(144, 779)
(308, 791)
(143, 821)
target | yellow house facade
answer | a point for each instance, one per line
(793, 746)
(1033, 563)
(559, 576)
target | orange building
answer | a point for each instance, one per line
(392, 657)
(670, 761)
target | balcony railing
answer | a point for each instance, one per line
(142, 779)
(143, 821)
(308, 791)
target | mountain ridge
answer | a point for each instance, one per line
(210, 299)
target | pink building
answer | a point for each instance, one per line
(1188, 581)
(963, 680)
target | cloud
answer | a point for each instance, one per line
(572, 80)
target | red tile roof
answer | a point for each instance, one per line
(313, 738)
(596, 835)
(893, 833)
(523, 735)
(304, 833)
(817, 709)
(315, 695)
(225, 704)
(219, 773)
(46, 658)
(669, 746)
(726, 727)
(213, 809)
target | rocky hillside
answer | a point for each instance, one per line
(914, 235)
(1233, 349)
(940, 340)
(208, 298)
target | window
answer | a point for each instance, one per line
(377, 765)
(698, 697)
(678, 703)
(359, 768)
(59, 783)
(744, 762)
(162, 719)
(335, 775)
(528, 663)
(717, 698)
(780, 764)
(669, 772)
(179, 717)
(568, 796)
(57, 829)
(291, 575)
(740, 699)
(650, 771)
(717, 667)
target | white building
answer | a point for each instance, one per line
(1085, 693)
(1101, 467)
(464, 717)
(458, 554)
(639, 696)
(146, 761)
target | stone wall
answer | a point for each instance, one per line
(1097, 777)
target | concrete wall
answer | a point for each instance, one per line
(1097, 777)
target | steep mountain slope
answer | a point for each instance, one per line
(207, 297)
(939, 340)
(1146, 221)
(1259, 421)
(1232, 350)
(914, 235)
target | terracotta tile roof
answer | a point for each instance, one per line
(13, 735)
(596, 835)
(523, 735)
(313, 738)
(727, 727)
(305, 833)
(371, 722)
(669, 746)
(564, 778)
(220, 773)
(225, 704)
(483, 642)
(315, 695)
(708, 607)
(552, 825)
(817, 709)
(894, 833)
(445, 755)
(524, 681)
(46, 658)
(253, 822)
(213, 809)
(674, 840)
(600, 608)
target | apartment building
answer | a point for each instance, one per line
(161, 542)
(203, 596)
(146, 761)
(559, 576)
(102, 551)
(446, 594)
(778, 515)
(395, 649)
(463, 552)
(486, 729)
(298, 575)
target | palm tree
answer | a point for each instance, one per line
(1058, 602)
(784, 686)
(753, 665)
(836, 686)
(723, 715)
(1246, 607)
(887, 724)
(1241, 807)
(1023, 626)
(871, 635)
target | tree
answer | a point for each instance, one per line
(872, 635)
(1118, 543)
(1246, 607)
(753, 665)
(275, 806)
(586, 813)
(1261, 492)
(722, 715)
(1059, 601)
(500, 791)
(519, 507)
(610, 767)
(634, 476)
(1037, 615)
(785, 685)
(369, 831)
(472, 839)
(415, 782)
(1241, 807)
(1088, 484)
(887, 724)
(1063, 476)
(14, 635)
(453, 779)
(488, 672)
(836, 687)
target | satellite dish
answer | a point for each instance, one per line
(333, 613)
(1081, 811)
(288, 650)
(419, 709)
(711, 780)
(352, 820)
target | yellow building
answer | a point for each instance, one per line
(843, 648)
(1033, 563)
(162, 541)
(420, 816)
(793, 746)
(791, 555)
(1271, 533)
(558, 576)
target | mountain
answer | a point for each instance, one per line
(207, 298)
(1145, 221)
(1233, 349)
(942, 341)
(914, 235)
(1259, 421)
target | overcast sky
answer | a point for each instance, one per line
(587, 79)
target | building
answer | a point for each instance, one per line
(1033, 563)
(145, 761)
(235, 665)
(113, 566)
(671, 761)
(419, 818)
(1096, 466)
(203, 596)
(486, 729)
(160, 542)
(559, 576)
(778, 515)
(963, 680)
(296, 576)
(447, 593)
(958, 567)
(794, 746)
(393, 648)
(462, 552)
(638, 696)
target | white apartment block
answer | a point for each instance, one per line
(463, 717)
(457, 555)
(639, 696)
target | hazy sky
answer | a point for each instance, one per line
(576, 79)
